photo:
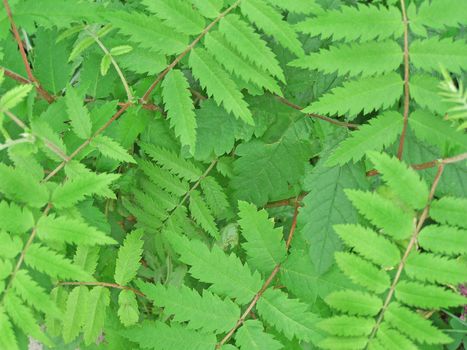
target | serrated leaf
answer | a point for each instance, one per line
(7, 337)
(365, 94)
(427, 296)
(112, 149)
(128, 311)
(129, 256)
(180, 108)
(251, 336)
(63, 229)
(78, 114)
(347, 326)
(97, 302)
(120, 50)
(14, 96)
(75, 314)
(380, 132)
(443, 239)
(202, 214)
(449, 210)
(264, 244)
(15, 219)
(355, 302)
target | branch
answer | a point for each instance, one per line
(48, 97)
(186, 51)
(265, 285)
(406, 81)
(88, 141)
(286, 202)
(430, 164)
(102, 284)
(314, 115)
(15, 76)
(409, 248)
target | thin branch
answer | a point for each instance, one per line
(286, 202)
(190, 47)
(400, 150)
(314, 115)
(265, 285)
(115, 64)
(88, 141)
(23, 253)
(16, 76)
(430, 164)
(49, 98)
(409, 248)
(102, 284)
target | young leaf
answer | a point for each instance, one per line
(128, 260)
(180, 107)
(112, 149)
(127, 308)
(7, 336)
(78, 113)
(98, 300)
(75, 314)
(14, 96)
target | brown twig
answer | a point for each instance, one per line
(286, 202)
(185, 52)
(400, 150)
(314, 115)
(88, 141)
(409, 248)
(48, 97)
(430, 164)
(266, 284)
(102, 284)
(15, 76)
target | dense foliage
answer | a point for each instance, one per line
(250, 174)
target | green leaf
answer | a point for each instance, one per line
(219, 85)
(365, 94)
(427, 296)
(163, 178)
(369, 244)
(347, 326)
(357, 58)
(343, 343)
(78, 114)
(202, 214)
(14, 96)
(290, 316)
(158, 335)
(449, 210)
(443, 239)
(251, 336)
(23, 317)
(355, 302)
(7, 336)
(383, 213)
(379, 133)
(128, 308)
(112, 149)
(177, 14)
(82, 186)
(250, 44)
(264, 244)
(147, 31)
(120, 50)
(55, 265)
(270, 21)
(207, 312)
(168, 160)
(208, 8)
(15, 219)
(226, 273)
(424, 89)
(414, 325)
(129, 256)
(11, 245)
(62, 229)
(75, 315)
(432, 268)
(392, 339)
(33, 294)
(403, 181)
(22, 187)
(215, 197)
(362, 23)
(439, 14)
(51, 65)
(433, 53)
(179, 106)
(362, 272)
(98, 300)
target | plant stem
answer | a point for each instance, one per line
(102, 284)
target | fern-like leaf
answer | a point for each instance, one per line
(15, 219)
(202, 214)
(7, 337)
(454, 240)
(251, 336)
(449, 210)
(379, 133)
(355, 302)
(347, 326)
(427, 296)
(358, 58)
(128, 311)
(112, 149)
(264, 244)
(75, 314)
(129, 256)
(180, 108)
(97, 302)
(218, 84)
(78, 114)
(363, 23)
(366, 94)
